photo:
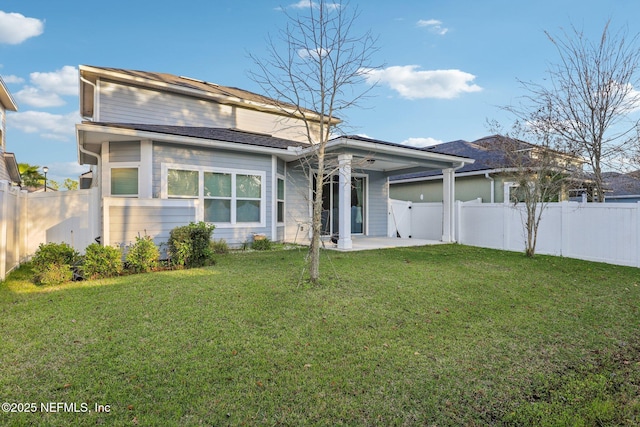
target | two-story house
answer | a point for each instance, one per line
(167, 150)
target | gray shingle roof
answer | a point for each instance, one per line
(622, 184)
(214, 134)
(393, 144)
(483, 150)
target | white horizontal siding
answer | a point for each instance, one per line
(297, 215)
(126, 104)
(124, 151)
(377, 202)
(126, 219)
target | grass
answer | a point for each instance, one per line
(440, 335)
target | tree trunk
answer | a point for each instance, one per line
(316, 223)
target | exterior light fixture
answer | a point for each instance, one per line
(45, 170)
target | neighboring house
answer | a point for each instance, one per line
(488, 178)
(622, 187)
(8, 164)
(166, 150)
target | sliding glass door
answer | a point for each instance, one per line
(331, 205)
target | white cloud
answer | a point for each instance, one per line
(306, 4)
(411, 83)
(37, 98)
(12, 79)
(16, 28)
(421, 142)
(63, 81)
(47, 89)
(314, 54)
(433, 25)
(302, 4)
(50, 126)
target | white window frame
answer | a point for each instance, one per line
(122, 165)
(164, 192)
(283, 200)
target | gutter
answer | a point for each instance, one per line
(492, 184)
(395, 150)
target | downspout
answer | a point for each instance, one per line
(493, 189)
(99, 229)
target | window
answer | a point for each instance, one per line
(182, 183)
(280, 197)
(124, 181)
(228, 197)
(217, 197)
(248, 191)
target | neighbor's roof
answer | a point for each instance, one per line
(180, 84)
(622, 184)
(486, 157)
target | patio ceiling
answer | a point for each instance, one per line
(390, 158)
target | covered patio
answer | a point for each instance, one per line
(386, 159)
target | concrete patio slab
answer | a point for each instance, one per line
(363, 243)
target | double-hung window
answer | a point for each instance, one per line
(280, 200)
(248, 197)
(227, 197)
(218, 197)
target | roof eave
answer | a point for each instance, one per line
(109, 132)
(6, 99)
(398, 150)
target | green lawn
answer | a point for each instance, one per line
(440, 335)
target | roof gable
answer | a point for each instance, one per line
(184, 85)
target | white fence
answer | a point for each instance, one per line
(29, 219)
(591, 231)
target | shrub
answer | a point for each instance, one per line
(143, 255)
(53, 262)
(190, 245)
(102, 261)
(261, 244)
(219, 246)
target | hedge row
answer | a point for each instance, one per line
(189, 246)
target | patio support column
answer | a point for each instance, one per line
(344, 238)
(448, 200)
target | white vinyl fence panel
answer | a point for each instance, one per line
(591, 231)
(29, 219)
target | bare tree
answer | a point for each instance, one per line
(592, 91)
(314, 68)
(538, 168)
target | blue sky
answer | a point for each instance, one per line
(448, 65)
